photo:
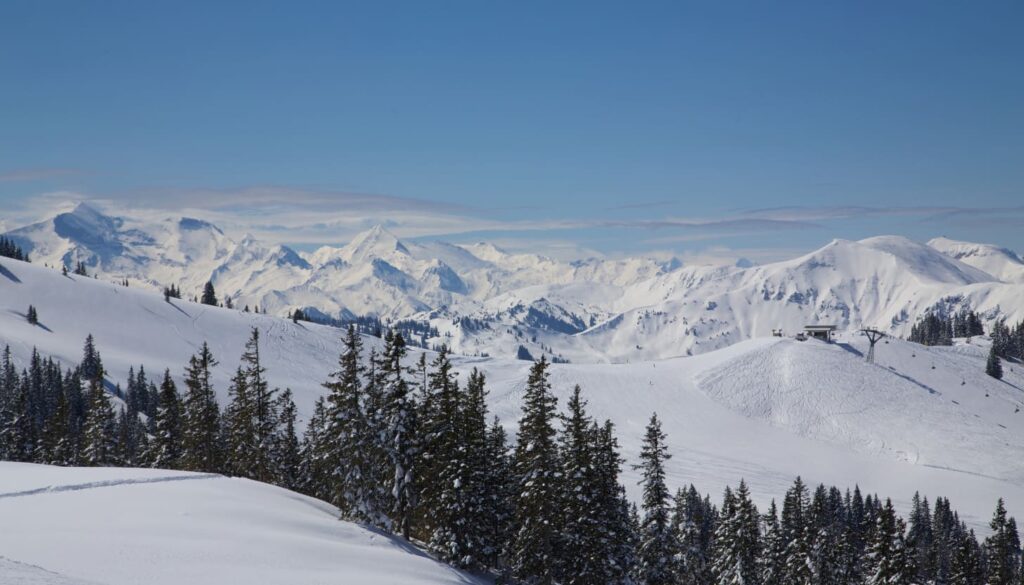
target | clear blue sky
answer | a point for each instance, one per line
(617, 115)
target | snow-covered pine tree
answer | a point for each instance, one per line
(54, 444)
(98, 448)
(399, 434)
(773, 549)
(966, 563)
(349, 443)
(498, 511)
(615, 544)
(475, 478)
(921, 539)
(580, 529)
(536, 482)
(201, 448)
(688, 526)
(167, 440)
(263, 409)
(1002, 548)
(657, 543)
(797, 534)
(315, 477)
(443, 462)
(737, 540)
(883, 560)
(286, 455)
(91, 366)
(241, 440)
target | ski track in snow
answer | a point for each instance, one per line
(55, 489)
(18, 573)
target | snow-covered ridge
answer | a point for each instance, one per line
(763, 409)
(486, 301)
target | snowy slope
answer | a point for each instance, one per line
(1001, 263)
(112, 526)
(764, 409)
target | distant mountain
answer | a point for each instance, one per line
(484, 300)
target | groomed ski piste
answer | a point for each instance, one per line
(923, 419)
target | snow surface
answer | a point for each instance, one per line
(113, 526)
(764, 409)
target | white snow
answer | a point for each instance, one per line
(764, 409)
(112, 526)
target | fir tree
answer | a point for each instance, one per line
(1002, 548)
(737, 539)
(209, 295)
(993, 366)
(400, 439)
(536, 483)
(98, 447)
(200, 445)
(797, 532)
(286, 453)
(167, 441)
(657, 543)
(32, 316)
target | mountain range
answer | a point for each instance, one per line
(482, 300)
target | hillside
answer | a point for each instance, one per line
(482, 300)
(765, 409)
(113, 526)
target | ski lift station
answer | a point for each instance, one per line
(822, 332)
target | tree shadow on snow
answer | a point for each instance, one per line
(10, 275)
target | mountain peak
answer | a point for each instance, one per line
(374, 242)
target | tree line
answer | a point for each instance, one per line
(409, 447)
(935, 329)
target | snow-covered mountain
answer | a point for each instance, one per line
(485, 301)
(765, 409)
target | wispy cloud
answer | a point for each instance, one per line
(27, 175)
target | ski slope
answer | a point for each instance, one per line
(112, 526)
(765, 409)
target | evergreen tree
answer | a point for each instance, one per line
(349, 441)
(91, 366)
(1002, 548)
(240, 434)
(737, 540)
(993, 366)
(536, 483)
(209, 295)
(797, 532)
(167, 441)
(884, 562)
(200, 443)
(772, 562)
(286, 453)
(657, 543)
(98, 447)
(32, 316)
(400, 438)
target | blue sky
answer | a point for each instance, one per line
(617, 127)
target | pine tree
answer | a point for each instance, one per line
(771, 563)
(993, 366)
(91, 365)
(200, 442)
(315, 477)
(286, 454)
(261, 410)
(400, 438)
(32, 316)
(883, 558)
(581, 527)
(167, 441)
(349, 441)
(966, 562)
(657, 543)
(1002, 548)
(536, 483)
(737, 540)
(209, 295)
(241, 439)
(98, 447)
(498, 512)
(797, 534)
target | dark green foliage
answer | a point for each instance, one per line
(201, 445)
(993, 367)
(536, 477)
(209, 295)
(657, 542)
(32, 316)
(166, 446)
(9, 249)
